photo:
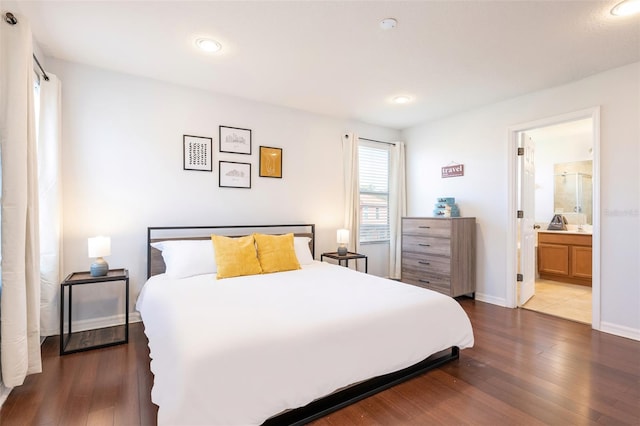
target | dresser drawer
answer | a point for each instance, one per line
(427, 227)
(426, 245)
(432, 282)
(415, 263)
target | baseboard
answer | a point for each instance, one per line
(481, 297)
(620, 330)
(91, 324)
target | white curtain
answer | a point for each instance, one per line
(351, 189)
(20, 297)
(50, 198)
(397, 207)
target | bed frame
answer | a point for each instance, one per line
(332, 402)
(352, 394)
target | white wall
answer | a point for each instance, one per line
(479, 140)
(123, 171)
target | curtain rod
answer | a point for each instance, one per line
(44, 74)
(373, 140)
(10, 19)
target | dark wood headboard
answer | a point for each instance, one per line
(155, 262)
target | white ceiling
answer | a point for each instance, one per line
(331, 57)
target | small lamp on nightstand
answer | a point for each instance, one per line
(99, 247)
(343, 240)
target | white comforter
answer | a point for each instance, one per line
(238, 351)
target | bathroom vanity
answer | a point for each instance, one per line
(565, 256)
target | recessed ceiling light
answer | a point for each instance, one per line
(208, 45)
(626, 8)
(388, 24)
(402, 99)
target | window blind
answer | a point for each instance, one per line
(374, 192)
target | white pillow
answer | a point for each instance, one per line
(186, 258)
(303, 253)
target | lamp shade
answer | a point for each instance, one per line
(343, 236)
(99, 246)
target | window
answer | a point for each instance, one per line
(374, 192)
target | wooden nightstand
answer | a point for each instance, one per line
(347, 257)
(97, 338)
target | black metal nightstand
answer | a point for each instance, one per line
(347, 257)
(97, 338)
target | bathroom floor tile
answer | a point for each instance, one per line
(568, 301)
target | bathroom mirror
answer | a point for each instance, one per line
(573, 191)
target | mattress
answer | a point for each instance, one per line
(238, 351)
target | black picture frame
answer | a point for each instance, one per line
(197, 153)
(233, 174)
(234, 140)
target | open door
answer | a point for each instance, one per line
(526, 231)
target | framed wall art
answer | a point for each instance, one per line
(234, 175)
(197, 153)
(235, 140)
(270, 162)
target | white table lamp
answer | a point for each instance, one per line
(343, 240)
(99, 247)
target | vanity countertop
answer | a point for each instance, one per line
(570, 231)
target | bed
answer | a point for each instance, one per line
(284, 347)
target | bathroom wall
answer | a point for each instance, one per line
(562, 143)
(573, 191)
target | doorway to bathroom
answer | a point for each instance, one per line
(563, 186)
(556, 178)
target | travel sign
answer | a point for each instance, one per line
(454, 170)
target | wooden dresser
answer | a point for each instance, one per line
(440, 254)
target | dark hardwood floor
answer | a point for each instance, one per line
(526, 368)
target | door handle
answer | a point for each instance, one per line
(536, 226)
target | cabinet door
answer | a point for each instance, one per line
(581, 261)
(553, 259)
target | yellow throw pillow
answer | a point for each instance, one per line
(235, 256)
(276, 253)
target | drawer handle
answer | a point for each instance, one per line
(424, 263)
(424, 227)
(424, 245)
(425, 281)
